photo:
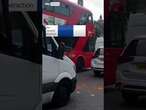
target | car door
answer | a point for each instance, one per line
(50, 62)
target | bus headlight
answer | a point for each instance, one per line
(72, 56)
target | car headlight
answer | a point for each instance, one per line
(71, 55)
(94, 62)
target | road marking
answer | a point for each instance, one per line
(92, 95)
(100, 88)
(78, 92)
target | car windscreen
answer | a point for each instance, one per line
(136, 48)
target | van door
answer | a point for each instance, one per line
(50, 62)
(20, 69)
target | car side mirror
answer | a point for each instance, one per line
(97, 53)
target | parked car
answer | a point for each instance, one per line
(59, 76)
(99, 42)
(97, 62)
(131, 70)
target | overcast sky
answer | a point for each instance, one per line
(95, 6)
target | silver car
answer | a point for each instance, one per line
(131, 70)
(97, 63)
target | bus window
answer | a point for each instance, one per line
(63, 9)
(86, 18)
(117, 31)
(46, 6)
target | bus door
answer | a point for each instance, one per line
(90, 39)
(89, 50)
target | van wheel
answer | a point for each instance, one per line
(61, 96)
(96, 73)
(129, 97)
(80, 65)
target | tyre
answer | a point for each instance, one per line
(129, 97)
(97, 73)
(61, 96)
(80, 65)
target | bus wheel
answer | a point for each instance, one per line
(61, 96)
(80, 65)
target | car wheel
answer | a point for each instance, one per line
(80, 65)
(61, 96)
(129, 98)
(97, 73)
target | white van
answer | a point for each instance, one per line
(59, 76)
(20, 61)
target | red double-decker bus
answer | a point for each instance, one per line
(122, 23)
(79, 49)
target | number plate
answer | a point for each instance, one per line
(141, 66)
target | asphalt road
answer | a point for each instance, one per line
(114, 101)
(88, 94)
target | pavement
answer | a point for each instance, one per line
(88, 95)
(114, 101)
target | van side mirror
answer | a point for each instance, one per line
(60, 51)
